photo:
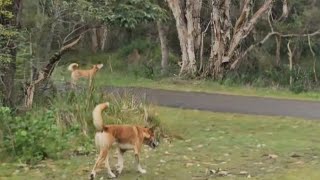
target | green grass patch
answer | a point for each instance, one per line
(128, 78)
(211, 141)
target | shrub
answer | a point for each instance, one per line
(31, 137)
(302, 80)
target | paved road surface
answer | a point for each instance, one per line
(225, 103)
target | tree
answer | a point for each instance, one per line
(187, 16)
(227, 37)
(10, 22)
(67, 22)
(162, 30)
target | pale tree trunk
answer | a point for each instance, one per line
(278, 48)
(94, 40)
(221, 29)
(101, 37)
(162, 30)
(201, 47)
(290, 62)
(314, 60)
(187, 16)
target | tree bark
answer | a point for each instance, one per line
(101, 37)
(7, 75)
(8, 49)
(226, 41)
(162, 30)
(221, 34)
(203, 34)
(314, 60)
(94, 40)
(290, 62)
(187, 16)
(278, 48)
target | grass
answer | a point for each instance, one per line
(117, 79)
(125, 79)
(231, 142)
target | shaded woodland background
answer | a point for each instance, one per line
(263, 43)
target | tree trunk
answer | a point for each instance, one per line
(278, 48)
(7, 75)
(101, 37)
(94, 40)
(201, 48)
(314, 60)
(187, 16)
(226, 38)
(290, 62)
(162, 29)
(221, 33)
(9, 51)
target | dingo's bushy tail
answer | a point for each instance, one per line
(97, 116)
(73, 66)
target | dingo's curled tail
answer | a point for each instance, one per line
(97, 116)
(73, 66)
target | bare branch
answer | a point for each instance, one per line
(269, 20)
(243, 16)
(68, 46)
(300, 35)
(235, 64)
(247, 28)
(72, 32)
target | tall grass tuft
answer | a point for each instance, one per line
(64, 125)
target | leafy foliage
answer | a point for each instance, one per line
(31, 137)
(7, 32)
(3, 11)
(125, 13)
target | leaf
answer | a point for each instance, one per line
(23, 133)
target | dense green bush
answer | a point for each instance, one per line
(33, 136)
(302, 78)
